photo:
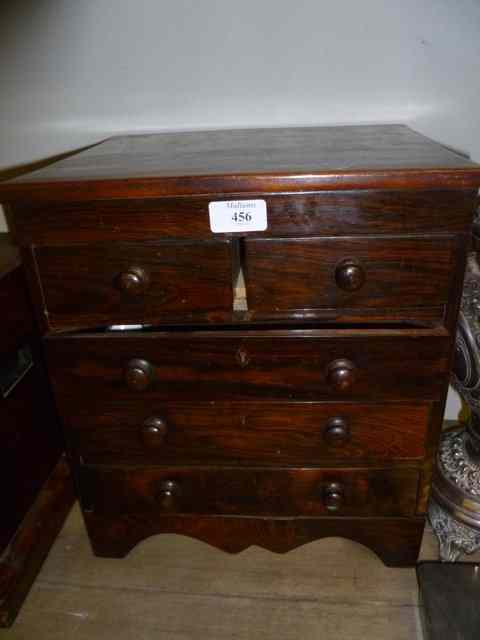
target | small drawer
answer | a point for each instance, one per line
(144, 283)
(134, 432)
(221, 365)
(356, 275)
(254, 492)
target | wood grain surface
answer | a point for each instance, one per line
(329, 213)
(255, 160)
(81, 285)
(302, 273)
(235, 366)
(246, 433)
(395, 540)
(118, 491)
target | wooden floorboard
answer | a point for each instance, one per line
(89, 612)
(172, 587)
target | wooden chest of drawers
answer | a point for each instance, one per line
(277, 382)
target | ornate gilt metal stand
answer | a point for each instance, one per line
(454, 510)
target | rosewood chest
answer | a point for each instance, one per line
(249, 333)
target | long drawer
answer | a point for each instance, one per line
(135, 432)
(295, 365)
(134, 283)
(258, 492)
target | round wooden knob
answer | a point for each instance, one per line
(134, 281)
(336, 432)
(138, 374)
(168, 494)
(153, 432)
(349, 275)
(341, 374)
(333, 496)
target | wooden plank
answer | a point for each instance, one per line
(85, 614)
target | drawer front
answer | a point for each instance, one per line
(349, 273)
(133, 432)
(120, 283)
(257, 492)
(197, 366)
(324, 213)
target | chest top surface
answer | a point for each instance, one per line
(250, 160)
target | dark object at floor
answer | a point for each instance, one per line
(33, 509)
(450, 595)
(30, 545)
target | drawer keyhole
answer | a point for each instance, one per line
(242, 357)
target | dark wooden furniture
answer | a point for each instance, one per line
(449, 595)
(36, 486)
(309, 407)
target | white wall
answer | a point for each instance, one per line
(74, 72)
